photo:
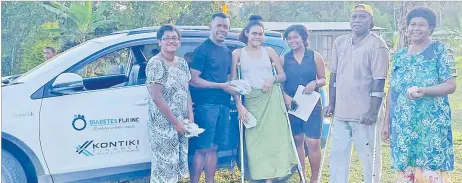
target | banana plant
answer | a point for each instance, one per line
(79, 19)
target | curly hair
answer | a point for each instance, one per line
(425, 13)
(301, 30)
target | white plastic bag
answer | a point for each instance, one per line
(192, 129)
(241, 86)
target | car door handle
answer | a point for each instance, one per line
(142, 102)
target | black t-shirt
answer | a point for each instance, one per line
(214, 63)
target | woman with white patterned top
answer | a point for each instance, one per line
(167, 84)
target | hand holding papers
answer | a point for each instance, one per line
(243, 88)
(305, 102)
(252, 122)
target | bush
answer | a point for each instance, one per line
(32, 53)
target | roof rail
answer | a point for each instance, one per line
(156, 28)
(188, 28)
(267, 32)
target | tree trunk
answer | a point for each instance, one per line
(404, 9)
(12, 61)
(402, 27)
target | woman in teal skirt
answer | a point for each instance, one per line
(418, 121)
(269, 148)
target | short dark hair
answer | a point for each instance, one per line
(167, 27)
(425, 13)
(50, 48)
(254, 20)
(221, 15)
(301, 30)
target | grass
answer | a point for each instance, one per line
(356, 174)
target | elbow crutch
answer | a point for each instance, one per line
(324, 104)
(379, 119)
(241, 130)
(294, 147)
(375, 153)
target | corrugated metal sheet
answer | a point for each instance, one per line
(312, 26)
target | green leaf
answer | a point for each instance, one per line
(54, 10)
(99, 24)
(101, 8)
(54, 30)
(81, 14)
(59, 6)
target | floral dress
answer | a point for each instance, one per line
(169, 149)
(420, 130)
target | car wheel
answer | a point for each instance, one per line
(12, 171)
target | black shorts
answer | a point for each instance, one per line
(214, 118)
(312, 128)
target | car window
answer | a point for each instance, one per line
(186, 50)
(277, 49)
(150, 50)
(232, 47)
(111, 64)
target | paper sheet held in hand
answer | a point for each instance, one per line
(306, 103)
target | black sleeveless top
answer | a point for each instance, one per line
(299, 74)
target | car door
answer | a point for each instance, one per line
(226, 155)
(100, 130)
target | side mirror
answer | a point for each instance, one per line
(67, 83)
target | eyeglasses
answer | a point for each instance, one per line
(167, 39)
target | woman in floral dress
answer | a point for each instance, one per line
(418, 121)
(167, 83)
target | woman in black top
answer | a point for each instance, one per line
(305, 67)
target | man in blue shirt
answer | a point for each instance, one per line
(211, 91)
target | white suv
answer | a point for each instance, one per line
(81, 117)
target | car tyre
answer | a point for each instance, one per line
(12, 171)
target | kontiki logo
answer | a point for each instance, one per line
(92, 148)
(83, 148)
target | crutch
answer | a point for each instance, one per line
(382, 107)
(241, 131)
(324, 154)
(299, 164)
(375, 152)
(324, 104)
